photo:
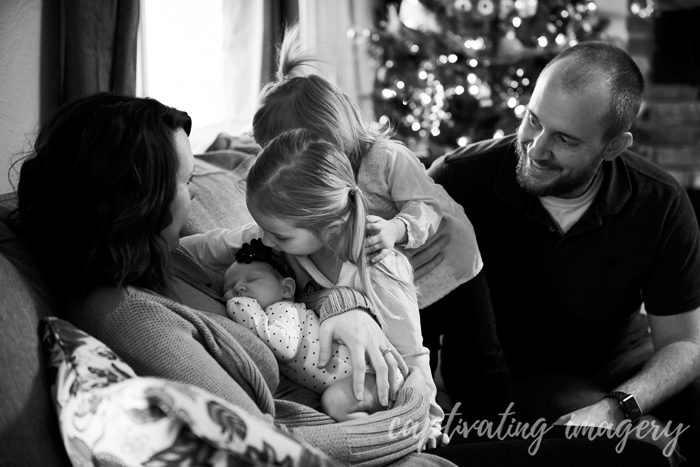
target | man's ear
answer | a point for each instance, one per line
(617, 145)
(289, 287)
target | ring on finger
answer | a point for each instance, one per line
(385, 351)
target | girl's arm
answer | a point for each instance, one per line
(279, 328)
(414, 193)
(216, 248)
(403, 330)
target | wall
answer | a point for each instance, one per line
(28, 75)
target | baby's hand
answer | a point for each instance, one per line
(229, 295)
(383, 235)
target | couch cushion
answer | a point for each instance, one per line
(110, 416)
(28, 426)
(219, 191)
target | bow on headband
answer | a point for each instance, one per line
(257, 251)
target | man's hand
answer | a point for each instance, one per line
(365, 340)
(605, 411)
(430, 255)
(649, 429)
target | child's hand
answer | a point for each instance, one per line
(384, 235)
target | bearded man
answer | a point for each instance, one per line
(592, 253)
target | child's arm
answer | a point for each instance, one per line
(280, 328)
(404, 330)
(414, 194)
(216, 248)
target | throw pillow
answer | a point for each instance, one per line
(110, 416)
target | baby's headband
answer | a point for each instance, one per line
(257, 251)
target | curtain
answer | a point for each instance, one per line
(99, 47)
(277, 15)
(339, 31)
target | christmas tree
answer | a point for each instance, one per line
(456, 71)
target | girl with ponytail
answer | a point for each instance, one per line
(302, 193)
(407, 210)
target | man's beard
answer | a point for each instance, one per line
(560, 186)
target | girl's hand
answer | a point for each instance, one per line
(383, 235)
(365, 340)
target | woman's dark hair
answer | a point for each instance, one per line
(95, 193)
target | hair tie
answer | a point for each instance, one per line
(353, 191)
(257, 251)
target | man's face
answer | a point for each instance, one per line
(560, 146)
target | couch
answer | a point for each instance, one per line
(29, 430)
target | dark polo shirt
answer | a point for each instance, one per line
(562, 301)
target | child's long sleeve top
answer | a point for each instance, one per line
(403, 330)
(397, 185)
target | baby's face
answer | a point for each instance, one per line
(255, 280)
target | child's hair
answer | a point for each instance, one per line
(297, 99)
(308, 183)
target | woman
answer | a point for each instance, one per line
(101, 202)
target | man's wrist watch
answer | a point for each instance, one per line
(628, 405)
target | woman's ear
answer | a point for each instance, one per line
(289, 287)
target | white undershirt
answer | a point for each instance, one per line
(566, 212)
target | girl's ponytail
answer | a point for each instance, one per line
(356, 244)
(292, 60)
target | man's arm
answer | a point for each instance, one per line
(674, 365)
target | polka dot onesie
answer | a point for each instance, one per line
(292, 332)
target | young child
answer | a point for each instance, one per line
(406, 208)
(259, 289)
(302, 194)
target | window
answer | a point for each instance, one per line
(204, 58)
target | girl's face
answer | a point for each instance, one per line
(180, 206)
(282, 236)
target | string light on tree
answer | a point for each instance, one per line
(458, 71)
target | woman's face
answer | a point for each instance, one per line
(180, 206)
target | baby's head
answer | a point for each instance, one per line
(259, 273)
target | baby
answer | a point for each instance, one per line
(259, 289)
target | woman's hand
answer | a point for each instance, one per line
(431, 254)
(365, 340)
